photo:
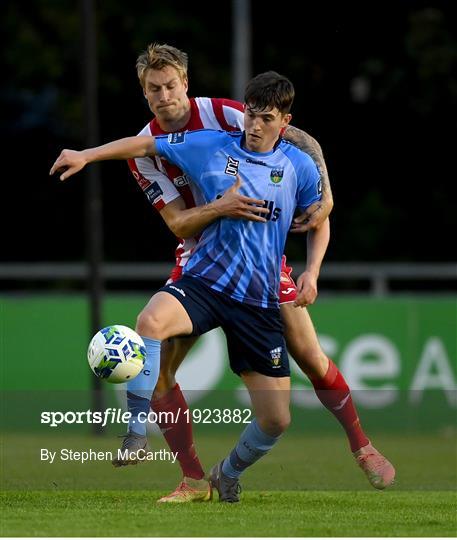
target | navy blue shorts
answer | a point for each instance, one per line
(255, 340)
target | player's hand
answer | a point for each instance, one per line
(306, 289)
(313, 217)
(234, 205)
(69, 163)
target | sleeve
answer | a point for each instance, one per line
(157, 187)
(229, 113)
(190, 150)
(309, 183)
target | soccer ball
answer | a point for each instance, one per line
(116, 354)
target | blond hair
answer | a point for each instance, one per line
(158, 56)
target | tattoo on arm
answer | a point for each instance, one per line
(308, 144)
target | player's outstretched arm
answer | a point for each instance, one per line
(316, 214)
(187, 222)
(71, 161)
(317, 242)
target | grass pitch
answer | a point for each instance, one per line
(282, 513)
(306, 487)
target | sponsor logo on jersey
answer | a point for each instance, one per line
(153, 192)
(232, 166)
(276, 355)
(276, 175)
(142, 181)
(256, 162)
(181, 181)
(274, 212)
(177, 138)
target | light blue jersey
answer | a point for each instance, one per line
(237, 257)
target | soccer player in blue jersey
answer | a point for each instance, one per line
(231, 168)
(232, 278)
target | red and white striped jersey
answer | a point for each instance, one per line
(163, 182)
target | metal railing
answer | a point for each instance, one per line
(378, 275)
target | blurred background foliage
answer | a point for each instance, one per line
(375, 85)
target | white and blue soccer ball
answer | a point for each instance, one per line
(116, 354)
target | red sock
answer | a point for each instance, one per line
(177, 430)
(335, 395)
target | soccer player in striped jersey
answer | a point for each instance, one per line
(162, 72)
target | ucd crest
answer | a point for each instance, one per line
(276, 357)
(276, 175)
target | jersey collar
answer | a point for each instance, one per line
(269, 153)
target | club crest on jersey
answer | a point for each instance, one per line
(276, 355)
(232, 166)
(177, 138)
(276, 175)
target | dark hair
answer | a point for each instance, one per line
(269, 90)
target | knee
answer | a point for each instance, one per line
(149, 325)
(274, 425)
